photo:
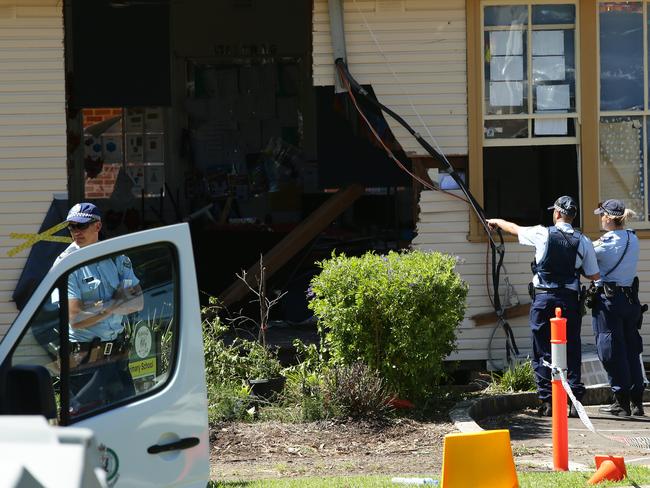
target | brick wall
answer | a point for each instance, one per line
(94, 115)
(102, 186)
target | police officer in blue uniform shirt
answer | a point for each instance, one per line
(616, 310)
(100, 293)
(562, 253)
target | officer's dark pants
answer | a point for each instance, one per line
(96, 387)
(618, 342)
(541, 312)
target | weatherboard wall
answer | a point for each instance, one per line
(32, 128)
(423, 43)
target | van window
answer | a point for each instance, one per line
(121, 331)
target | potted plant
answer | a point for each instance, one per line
(263, 367)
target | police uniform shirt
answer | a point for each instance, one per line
(609, 249)
(537, 236)
(94, 285)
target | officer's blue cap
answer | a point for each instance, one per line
(565, 205)
(84, 212)
(615, 208)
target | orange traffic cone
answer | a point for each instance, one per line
(606, 471)
(619, 461)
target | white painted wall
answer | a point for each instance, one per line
(424, 43)
(32, 128)
(443, 226)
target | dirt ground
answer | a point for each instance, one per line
(246, 451)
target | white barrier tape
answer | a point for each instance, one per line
(578, 406)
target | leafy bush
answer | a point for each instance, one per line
(520, 377)
(396, 313)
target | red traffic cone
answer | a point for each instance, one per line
(607, 471)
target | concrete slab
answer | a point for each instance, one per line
(532, 437)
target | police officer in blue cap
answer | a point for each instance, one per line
(562, 253)
(100, 293)
(616, 310)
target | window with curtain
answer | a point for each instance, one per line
(624, 113)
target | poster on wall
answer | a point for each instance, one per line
(506, 93)
(553, 97)
(507, 68)
(506, 43)
(134, 148)
(112, 148)
(153, 148)
(153, 180)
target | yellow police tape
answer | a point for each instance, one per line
(32, 239)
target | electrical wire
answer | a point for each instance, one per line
(497, 262)
(400, 84)
(390, 153)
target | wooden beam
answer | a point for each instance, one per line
(509, 313)
(296, 240)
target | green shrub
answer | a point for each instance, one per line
(520, 377)
(396, 313)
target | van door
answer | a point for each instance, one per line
(141, 387)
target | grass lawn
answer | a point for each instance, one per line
(637, 475)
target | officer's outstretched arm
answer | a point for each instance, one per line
(509, 227)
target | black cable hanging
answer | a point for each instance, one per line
(498, 250)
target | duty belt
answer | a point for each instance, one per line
(105, 347)
(610, 289)
(614, 287)
(554, 290)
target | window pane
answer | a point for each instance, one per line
(554, 127)
(506, 64)
(521, 182)
(621, 56)
(506, 15)
(621, 161)
(122, 327)
(554, 14)
(506, 129)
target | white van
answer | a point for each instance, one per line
(157, 435)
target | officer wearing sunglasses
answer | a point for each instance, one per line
(616, 311)
(100, 293)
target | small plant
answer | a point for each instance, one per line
(396, 313)
(242, 360)
(265, 304)
(358, 391)
(520, 377)
(306, 385)
(228, 401)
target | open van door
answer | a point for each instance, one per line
(155, 431)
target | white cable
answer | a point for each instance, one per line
(578, 406)
(400, 82)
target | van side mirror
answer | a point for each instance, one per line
(29, 391)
